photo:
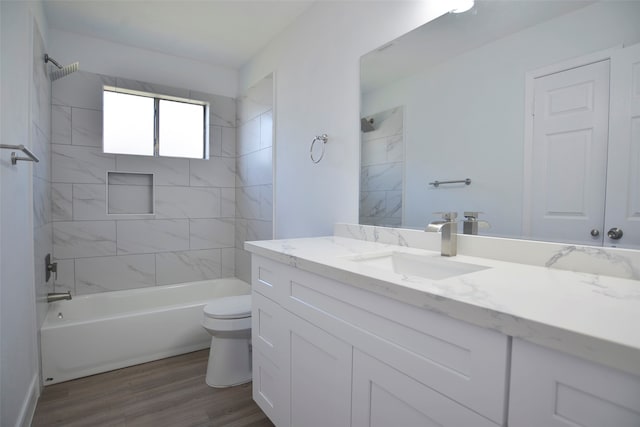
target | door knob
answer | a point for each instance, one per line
(595, 232)
(615, 233)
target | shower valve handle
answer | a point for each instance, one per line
(51, 267)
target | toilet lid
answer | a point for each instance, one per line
(233, 307)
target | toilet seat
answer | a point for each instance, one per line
(233, 307)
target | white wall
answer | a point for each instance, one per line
(114, 59)
(316, 61)
(19, 385)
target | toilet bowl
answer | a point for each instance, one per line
(228, 320)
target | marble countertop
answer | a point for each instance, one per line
(588, 315)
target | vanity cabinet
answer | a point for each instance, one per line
(303, 376)
(554, 389)
(326, 353)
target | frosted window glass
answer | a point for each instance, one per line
(128, 122)
(181, 129)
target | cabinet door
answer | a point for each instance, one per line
(301, 373)
(553, 389)
(320, 376)
(383, 396)
(270, 374)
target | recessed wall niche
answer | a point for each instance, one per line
(130, 193)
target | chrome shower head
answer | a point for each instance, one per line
(61, 71)
(66, 70)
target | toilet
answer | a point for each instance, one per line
(228, 320)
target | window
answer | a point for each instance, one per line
(128, 123)
(145, 124)
(180, 129)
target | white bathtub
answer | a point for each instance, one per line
(101, 332)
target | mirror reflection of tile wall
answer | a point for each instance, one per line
(382, 169)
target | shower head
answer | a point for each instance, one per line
(67, 69)
(366, 125)
(61, 71)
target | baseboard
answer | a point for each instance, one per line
(29, 407)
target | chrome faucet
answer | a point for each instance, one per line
(448, 228)
(58, 296)
(471, 223)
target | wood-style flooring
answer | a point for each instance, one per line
(165, 393)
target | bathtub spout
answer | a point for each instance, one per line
(58, 296)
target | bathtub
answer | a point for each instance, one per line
(101, 332)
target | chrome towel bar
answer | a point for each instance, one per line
(14, 159)
(466, 181)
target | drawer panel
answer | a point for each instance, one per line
(267, 277)
(266, 333)
(383, 396)
(554, 389)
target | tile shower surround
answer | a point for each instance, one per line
(193, 234)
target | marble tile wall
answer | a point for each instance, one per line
(191, 234)
(254, 178)
(41, 146)
(382, 170)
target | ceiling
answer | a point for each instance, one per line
(219, 32)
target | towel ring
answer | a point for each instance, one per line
(321, 138)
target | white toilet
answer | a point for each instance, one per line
(228, 320)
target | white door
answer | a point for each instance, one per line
(623, 176)
(569, 156)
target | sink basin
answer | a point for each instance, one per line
(434, 267)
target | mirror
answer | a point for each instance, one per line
(448, 102)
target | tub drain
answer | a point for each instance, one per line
(60, 316)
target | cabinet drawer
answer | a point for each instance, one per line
(267, 329)
(267, 278)
(383, 396)
(554, 389)
(466, 363)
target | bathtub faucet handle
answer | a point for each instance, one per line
(51, 267)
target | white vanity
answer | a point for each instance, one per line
(341, 339)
